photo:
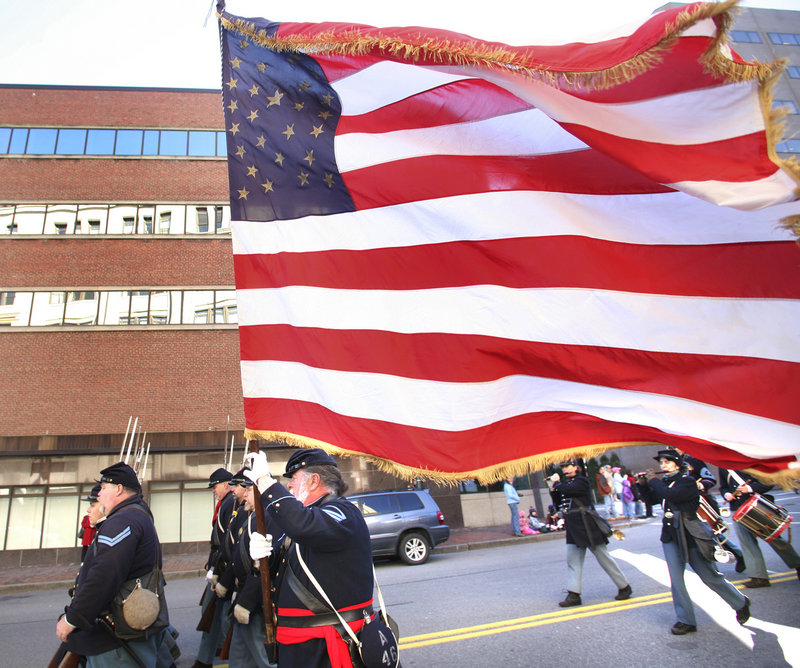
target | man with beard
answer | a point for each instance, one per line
(583, 533)
(333, 539)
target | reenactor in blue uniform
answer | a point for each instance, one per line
(737, 495)
(332, 537)
(583, 533)
(126, 547)
(249, 634)
(685, 539)
(211, 640)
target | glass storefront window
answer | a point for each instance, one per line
(197, 509)
(25, 518)
(61, 521)
(166, 511)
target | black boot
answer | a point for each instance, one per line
(624, 593)
(740, 565)
(743, 614)
(572, 599)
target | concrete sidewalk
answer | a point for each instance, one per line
(33, 578)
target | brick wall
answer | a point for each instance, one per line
(86, 382)
(89, 261)
(113, 180)
(89, 107)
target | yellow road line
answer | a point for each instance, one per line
(493, 628)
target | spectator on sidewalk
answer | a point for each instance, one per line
(628, 498)
(535, 523)
(512, 499)
(605, 487)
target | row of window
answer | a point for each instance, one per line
(87, 141)
(753, 37)
(117, 307)
(46, 517)
(114, 219)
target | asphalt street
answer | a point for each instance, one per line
(499, 607)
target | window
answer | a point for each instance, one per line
(789, 146)
(41, 141)
(100, 142)
(12, 228)
(128, 226)
(173, 142)
(129, 142)
(784, 38)
(202, 219)
(379, 504)
(5, 137)
(218, 218)
(202, 143)
(147, 221)
(7, 298)
(410, 502)
(164, 220)
(19, 137)
(793, 71)
(746, 36)
(789, 104)
(71, 142)
(94, 227)
(61, 228)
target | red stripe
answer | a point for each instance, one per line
(431, 177)
(573, 57)
(557, 261)
(737, 159)
(737, 383)
(464, 451)
(457, 102)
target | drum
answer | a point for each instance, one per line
(764, 518)
(706, 512)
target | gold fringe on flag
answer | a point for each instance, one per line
(787, 479)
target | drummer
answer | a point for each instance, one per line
(736, 495)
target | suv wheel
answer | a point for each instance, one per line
(413, 549)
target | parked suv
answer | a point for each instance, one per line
(405, 523)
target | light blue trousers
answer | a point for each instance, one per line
(756, 568)
(247, 644)
(575, 558)
(146, 650)
(708, 573)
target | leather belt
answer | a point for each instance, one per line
(324, 619)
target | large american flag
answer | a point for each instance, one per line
(461, 258)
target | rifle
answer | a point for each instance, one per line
(224, 653)
(266, 585)
(63, 658)
(208, 614)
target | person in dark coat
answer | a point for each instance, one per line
(331, 535)
(211, 640)
(583, 533)
(126, 547)
(737, 494)
(247, 641)
(682, 538)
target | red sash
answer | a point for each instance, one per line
(338, 652)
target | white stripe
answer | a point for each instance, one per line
(386, 82)
(776, 188)
(334, 513)
(528, 132)
(666, 218)
(727, 111)
(695, 325)
(462, 406)
(669, 119)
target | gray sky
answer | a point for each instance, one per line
(125, 43)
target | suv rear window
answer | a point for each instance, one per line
(410, 502)
(379, 504)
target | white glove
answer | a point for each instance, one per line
(260, 546)
(220, 590)
(259, 470)
(241, 613)
(210, 575)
